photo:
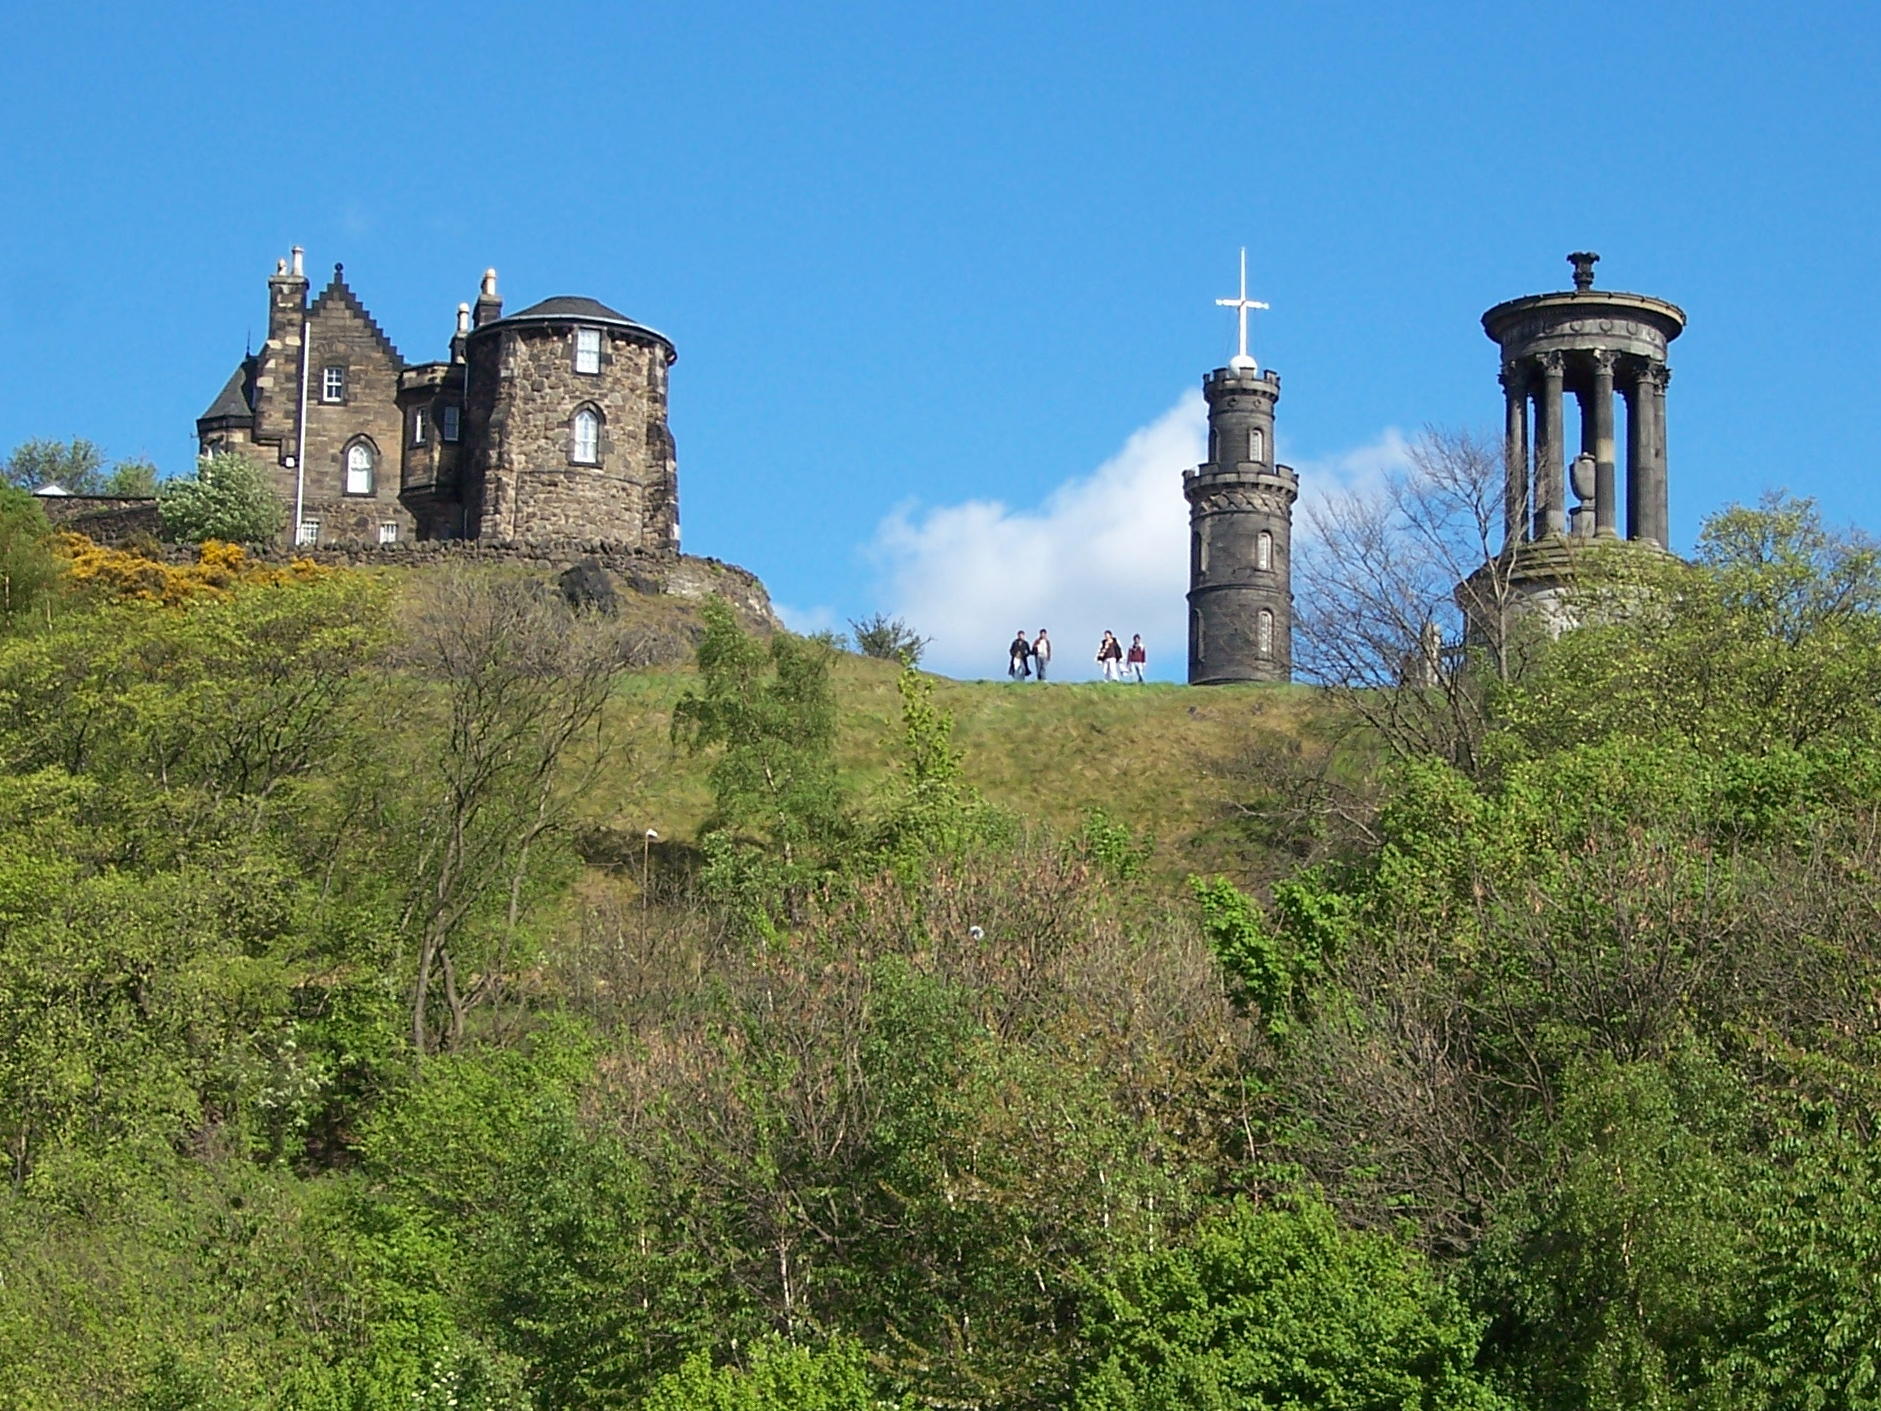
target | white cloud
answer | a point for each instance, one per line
(1105, 550)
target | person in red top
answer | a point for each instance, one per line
(1137, 658)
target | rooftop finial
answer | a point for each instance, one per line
(339, 271)
(1241, 361)
(489, 284)
(1583, 262)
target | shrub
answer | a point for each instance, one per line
(228, 498)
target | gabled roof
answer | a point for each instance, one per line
(236, 399)
(338, 293)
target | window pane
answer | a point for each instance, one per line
(359, 470)
(587, 350)
(309, 532)
(450, 415)
(587, 437)
(388, 533)
(333, 385)
(418, 427)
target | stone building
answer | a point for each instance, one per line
(548, 424)
(1240, 528)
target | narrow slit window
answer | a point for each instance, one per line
(1256, 444)
(1266, 633)
(420, 426)
(587, 350)
(1264, 551)
(451, 418)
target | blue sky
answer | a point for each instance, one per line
(941, 277)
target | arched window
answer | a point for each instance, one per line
(1201, 548)
(1265, 639)
(584, 446)
(359, 466)
(1256, 444)
(1264, 552)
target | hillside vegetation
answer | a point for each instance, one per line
(955, 1045)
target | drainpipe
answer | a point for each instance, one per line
(300, 433)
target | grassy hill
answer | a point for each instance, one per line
(1166, 760)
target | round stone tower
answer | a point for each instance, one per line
(1584, 344)
(1240, 535)
(565, 420)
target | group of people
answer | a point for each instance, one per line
(1032, 657)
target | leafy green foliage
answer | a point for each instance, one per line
(28, 566)
(888, 639)
(777, 1376)
(1278, 1307)
(75, 466)
(228, 498)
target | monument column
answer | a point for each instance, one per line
(1515, 454)
(1605, 508)
(1638, 452)
(1550, 487)
(1657, 504)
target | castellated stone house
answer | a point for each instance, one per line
(543, 426)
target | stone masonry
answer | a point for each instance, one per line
(1240, 536)
(549, 424)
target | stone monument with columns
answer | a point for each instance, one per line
(1584, 344)
(1240, 527)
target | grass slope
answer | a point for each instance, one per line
(1158, 758)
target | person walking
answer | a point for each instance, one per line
(1041, 654)
(1018, 657)
(1137, 658)
(1110, 657)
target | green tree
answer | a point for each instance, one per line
(28, 567)
(888, 639)
(779, 820)
(75, 466)
(775, 1376)
(228, 498)
(1276, 1308)
(132, 479)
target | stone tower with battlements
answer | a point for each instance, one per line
(1240, 529)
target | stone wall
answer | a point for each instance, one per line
(677, 575)
(523, 482)
(105, 518)
(342, 334)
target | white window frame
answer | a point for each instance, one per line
(1256, 444)
(370, 467)
(450, 418)
(588, 350)
(308, 534)
(333, 383)
(420, 426)
(590, 420)
(1264, 551)
(388, 531)
(1264, 641)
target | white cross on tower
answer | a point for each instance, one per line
(1241, 361)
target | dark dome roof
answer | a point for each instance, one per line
(572, 308)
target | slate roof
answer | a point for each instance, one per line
(573, 308)
(234, 398)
